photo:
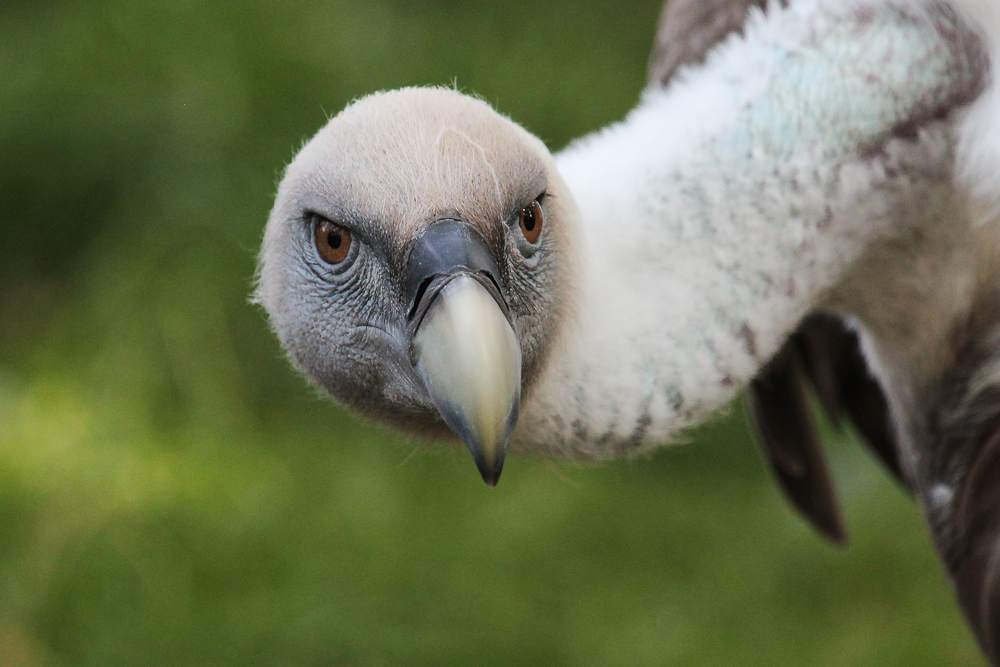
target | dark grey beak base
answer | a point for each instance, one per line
(448, 248)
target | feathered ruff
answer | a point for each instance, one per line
(728, 206)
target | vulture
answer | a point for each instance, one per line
(805, 199)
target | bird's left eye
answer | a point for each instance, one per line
(333, 242)
(531, 222)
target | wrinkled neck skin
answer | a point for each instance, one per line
(728, 206)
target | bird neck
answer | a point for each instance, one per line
(724, 209)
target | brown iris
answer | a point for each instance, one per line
(531, 222)
(332, 241)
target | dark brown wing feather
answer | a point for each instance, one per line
(823, 350)
(790, 443)
(826, 354)
(839, 374)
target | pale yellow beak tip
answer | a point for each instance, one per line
(470, 361)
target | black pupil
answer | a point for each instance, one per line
(334, 240)
(528, 219)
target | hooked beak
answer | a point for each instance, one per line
(462, 344)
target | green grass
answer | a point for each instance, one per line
(170, 492)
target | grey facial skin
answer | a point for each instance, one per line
(442, 312)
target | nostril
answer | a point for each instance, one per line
(492, 280)
(419, 295)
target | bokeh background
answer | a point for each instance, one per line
(172, 494)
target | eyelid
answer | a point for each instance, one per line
(309, 215)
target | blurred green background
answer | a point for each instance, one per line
(172, 494)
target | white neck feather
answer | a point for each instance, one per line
(724, 209)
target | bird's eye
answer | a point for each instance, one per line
(333, 242)
(531, 222)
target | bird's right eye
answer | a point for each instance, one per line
(333, 242)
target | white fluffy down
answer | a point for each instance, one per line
(726, 207)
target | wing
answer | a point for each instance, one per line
(822, 353)
(953, 457)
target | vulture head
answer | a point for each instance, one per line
(416, 263)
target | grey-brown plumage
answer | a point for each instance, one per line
(690, 28)
(958, 474)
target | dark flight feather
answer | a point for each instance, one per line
(839, 374)
(790, 443)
